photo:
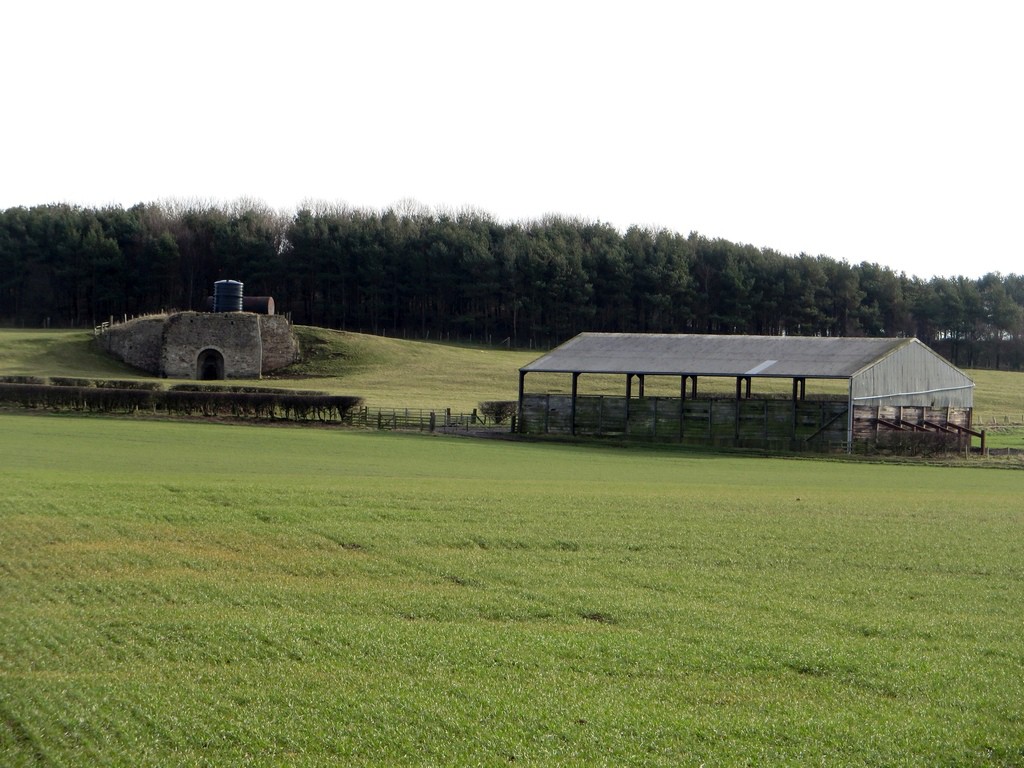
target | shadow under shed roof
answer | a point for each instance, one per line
(713, 355)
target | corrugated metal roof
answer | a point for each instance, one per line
(709, 355)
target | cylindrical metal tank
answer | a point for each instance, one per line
(261, 305)
(227, 296)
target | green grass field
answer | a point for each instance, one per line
(56, 353)
(206, 594)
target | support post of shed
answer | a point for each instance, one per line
(849, 418)
(519, 410)
(572, 416)
(640, 376)
(629, 394)
(799, 388)
(682, 407)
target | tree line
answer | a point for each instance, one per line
(417, 273)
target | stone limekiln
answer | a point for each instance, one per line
(227, 343)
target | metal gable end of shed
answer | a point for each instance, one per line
(912, 374)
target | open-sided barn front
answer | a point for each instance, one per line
(893, 392)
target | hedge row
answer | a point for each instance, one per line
(237, 388)
(254, 405)
(499, 411)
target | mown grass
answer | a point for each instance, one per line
(1005, 437)
(394, 373)
(56, 353)
(183, 594)
(998, 397)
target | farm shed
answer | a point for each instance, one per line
(894, 392)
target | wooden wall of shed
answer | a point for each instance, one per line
(755, 423)
(905, 427)
(776, 424)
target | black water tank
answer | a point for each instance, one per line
(227, 296)
(261, 305)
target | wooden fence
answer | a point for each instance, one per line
(422, 420)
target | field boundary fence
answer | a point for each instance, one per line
(1004, 421)
(443, 420)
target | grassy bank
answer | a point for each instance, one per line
(183, 594)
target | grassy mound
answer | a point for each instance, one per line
(393, 373)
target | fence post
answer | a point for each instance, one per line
(433, 420)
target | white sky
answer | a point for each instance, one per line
(888, 132)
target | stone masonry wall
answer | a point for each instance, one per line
(236, 335)
(251, 344)
(137, 342)
(280, 346)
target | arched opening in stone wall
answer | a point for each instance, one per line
(210, 365)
